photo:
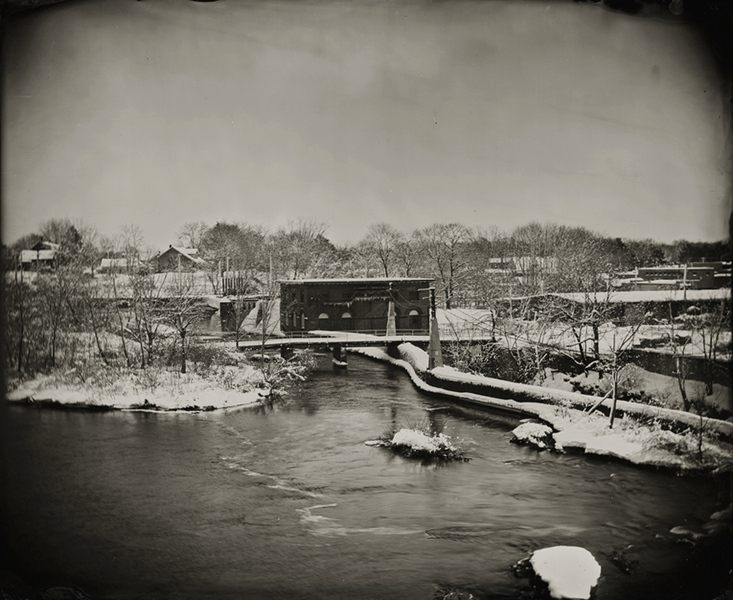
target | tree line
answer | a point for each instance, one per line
(471, 266)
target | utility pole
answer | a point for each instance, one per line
(391, 320)
(435, 356)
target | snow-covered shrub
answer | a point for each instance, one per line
(279, 373)
(420, 443)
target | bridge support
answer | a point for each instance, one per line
(339, 356)
(287, 352)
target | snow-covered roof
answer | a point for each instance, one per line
(109, 263)
(648, 296)
(44, 245)
(190, 253)
(33, 255)
(364, 280)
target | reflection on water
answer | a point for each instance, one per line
(288, 502)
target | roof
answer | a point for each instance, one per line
(189, 253)
(364, 280)
(649, 296)
(117, 262)
(44, 245)
(31, 255)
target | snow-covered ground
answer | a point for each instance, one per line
(227, 387)
(479, 323)
(576, 429)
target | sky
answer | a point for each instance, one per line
(411, 112)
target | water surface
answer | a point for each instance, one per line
(288, 502)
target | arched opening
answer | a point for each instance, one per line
(302, 320)
(323, 321)
(347, 323)
(415, 321)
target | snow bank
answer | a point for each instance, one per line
(499, 387)
(568, 571)
(577, 429)
(235, 387)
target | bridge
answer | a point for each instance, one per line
(338, 341)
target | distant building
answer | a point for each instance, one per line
(41, 255)
(697, 276)
(118, 265)
(176, 258)
(354, 304)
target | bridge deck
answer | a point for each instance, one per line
(331, 338)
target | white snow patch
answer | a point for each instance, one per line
(417, 440)
(232, 387)
(569, 571)
(533, 433)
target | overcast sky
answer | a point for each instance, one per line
(492, 113)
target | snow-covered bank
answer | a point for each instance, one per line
(575, 428)
(226, 388)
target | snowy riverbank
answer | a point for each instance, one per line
(159, 390)
(642, 443)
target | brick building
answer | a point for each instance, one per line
(354, 304)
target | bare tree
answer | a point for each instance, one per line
(381, 241)
(443, 247)
(408, 257)
(300, 249)
(183, 309)
(191, 234)
(700, 334)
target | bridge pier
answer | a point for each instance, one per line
(287, 352)
(339, 356)
(392, 349)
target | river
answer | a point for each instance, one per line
(288, 502)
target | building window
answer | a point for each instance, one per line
(347, 322)
(414, 315)
(323, 321)
(302, 320)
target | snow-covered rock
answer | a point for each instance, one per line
(568, 571)
(417, 440)
(534, 434)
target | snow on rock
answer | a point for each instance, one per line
(568, 571)
(417, 440)
(534, 434)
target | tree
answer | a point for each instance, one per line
(191, 234)
(620, 343)
(300, 249)
(443, 247)
(381, 241)
(183, 308)
(699, 333)
(582, 261)
(408, 257)
(533, 247)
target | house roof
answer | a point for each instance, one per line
(44, 245)
(117, 262)
(189, 253)
(649, 296)
(33, 255)
(364, 280)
